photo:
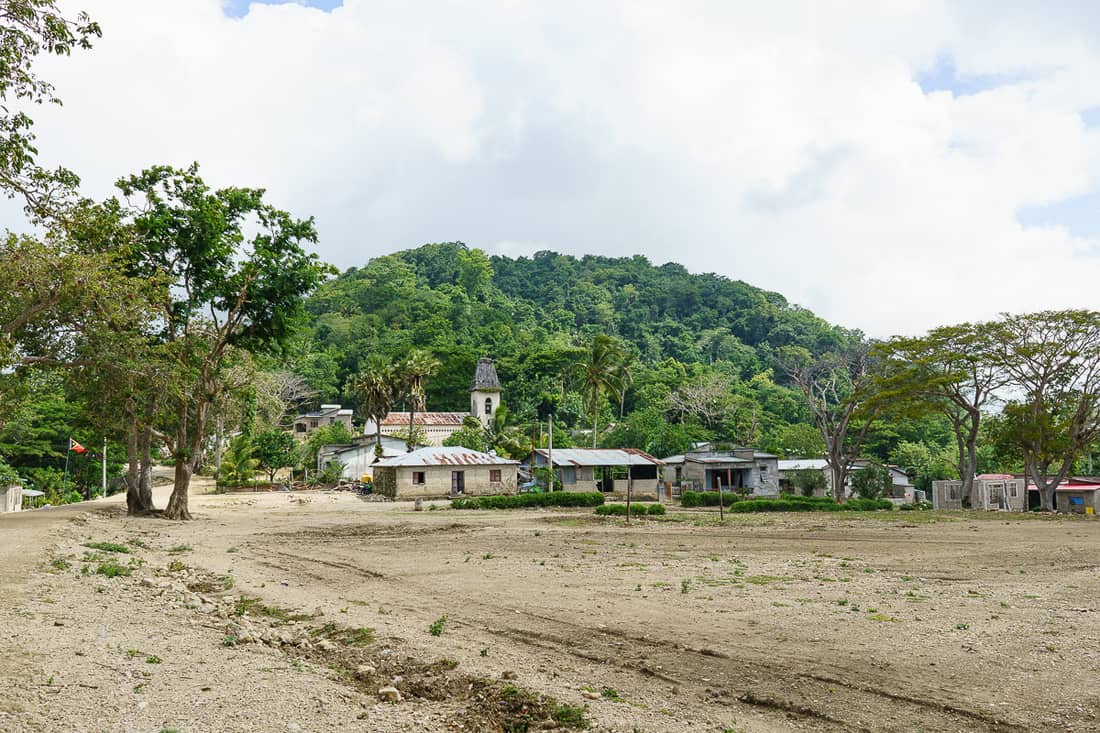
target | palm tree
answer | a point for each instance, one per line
(604, 371)
(375, 389)
(417, 368)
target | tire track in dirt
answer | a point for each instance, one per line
(761, 678)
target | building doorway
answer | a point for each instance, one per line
(458, 482)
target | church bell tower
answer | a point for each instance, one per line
(486, 392)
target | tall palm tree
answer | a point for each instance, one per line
(375, 389)
(417, 368)
(604, 371)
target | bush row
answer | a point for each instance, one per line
(636, 510)
(520, 501)
(738, 503)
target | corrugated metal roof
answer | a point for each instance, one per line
(600, 457)
(716, 459)
(445, 456)
(401, 419)
(802, 464)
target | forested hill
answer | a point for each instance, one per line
(531, 314)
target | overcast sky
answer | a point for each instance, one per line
(890, 165)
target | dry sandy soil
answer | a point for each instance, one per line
(252, 618)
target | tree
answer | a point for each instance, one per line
(417, 368)
(1053, 359)
(374, 389)
(239, 464)
(807, 481)
(604, 372)
(838, 387)
(216, 290)
(953, 370)
(274, 450)
(872, 481)
(471, 435)
(29, 28)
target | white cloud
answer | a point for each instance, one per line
(786, 144)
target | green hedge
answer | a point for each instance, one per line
(740, 504)
(636, 510)
(521, 501)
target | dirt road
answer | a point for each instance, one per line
(766, 623)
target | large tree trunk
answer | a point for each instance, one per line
(145, 479)
(133, 469)
(595, 419)
(177, 504)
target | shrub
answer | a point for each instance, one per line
(706, 498)
(636, 510)
(522, 501)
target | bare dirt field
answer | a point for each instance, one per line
(295, 612)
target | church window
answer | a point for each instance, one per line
(488, 405)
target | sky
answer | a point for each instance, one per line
(891, 166)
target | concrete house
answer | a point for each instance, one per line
(358, 458)
(992, 491)
(733, 469)
(486, 395)
(1077, 498)
(602, 469)
(328, 415)
(438, 472)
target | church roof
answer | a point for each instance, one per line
(485, 376)
(401, 419)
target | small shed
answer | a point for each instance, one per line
(991, 492)
(609, 470)
(11, 496)
(1077, 498)
(440, 471)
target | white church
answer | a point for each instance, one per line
(485, 397)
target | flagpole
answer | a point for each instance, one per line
(68, 450)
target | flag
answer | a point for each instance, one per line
(74, 446)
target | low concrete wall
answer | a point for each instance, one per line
(11, 498)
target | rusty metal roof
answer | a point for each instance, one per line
(445, 456)
(401, 419)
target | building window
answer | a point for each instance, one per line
(1012, 490)
(418, 477)
(299, 427)
(488, 405)
(313, 423)
(763, 470)
(494, 475)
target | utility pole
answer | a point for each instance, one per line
(550, 453)
(104, 466)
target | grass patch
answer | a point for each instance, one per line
(112, 569)
(436, 627)
(179, 549)
(60, 563)
(255, 607)
(766, 579)
(109, 547)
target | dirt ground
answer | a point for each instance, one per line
(293, 612)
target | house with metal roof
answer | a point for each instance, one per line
(609, 470)
(439, 471)
(901, 488)
(717, 469)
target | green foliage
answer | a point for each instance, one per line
(783, 504)
(238, 463)
(521, 501)
(872, 481)
(807, 481)
(436, 627)
(636, 510)
(275, 449)
(109, 547)
(112, 569)
(335, 434)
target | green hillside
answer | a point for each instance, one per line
(533, 316)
